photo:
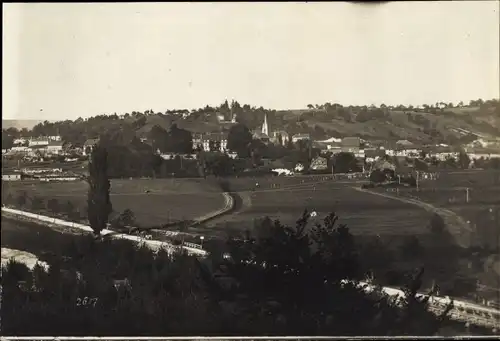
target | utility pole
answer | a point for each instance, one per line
(417, 181)
(467, 195)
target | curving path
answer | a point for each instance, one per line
(456, 225)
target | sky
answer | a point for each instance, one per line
(64, 61)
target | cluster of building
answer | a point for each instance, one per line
(43, 174)
(369, 151)
(47, 145)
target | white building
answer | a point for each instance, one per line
(11, 177)
(54, 138)
(19, 141)
(38, 142)
(210, 142)
(299, 137)
(54, 147)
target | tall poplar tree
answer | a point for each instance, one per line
(98, 202)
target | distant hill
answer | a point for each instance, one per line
(450, 125)
(20, 124)
(401, 124)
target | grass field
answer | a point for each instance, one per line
(169, 199)
(481, 208)
(285, 198)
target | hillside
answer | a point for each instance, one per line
(448, 125)
(20, 124)
(451, 125)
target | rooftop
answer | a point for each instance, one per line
(351, 142)
(91, 142)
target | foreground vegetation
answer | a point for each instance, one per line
(279, 280)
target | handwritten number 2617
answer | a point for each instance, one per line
(86, 301)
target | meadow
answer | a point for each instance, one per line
(166, 200)
(285, 198)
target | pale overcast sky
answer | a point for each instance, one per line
(76, 60)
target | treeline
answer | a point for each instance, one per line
(78, 131)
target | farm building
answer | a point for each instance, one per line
(54, 147)
(298, 137)
(39, 141)
(352, 145)
(11, 176)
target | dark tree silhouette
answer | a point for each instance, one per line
(239, 140)
(98, 201)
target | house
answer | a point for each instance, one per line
(54, 147)
(19, 141)
(300, 137)
(20, 150)
(89, 145)
(39, 141)
(404, 144)
(11, 176)
(374, 154)
(280, 137)
(210, 141)
(478, 153)
(54, 138)
(351, 144)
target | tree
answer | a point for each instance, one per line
(421, 165)
(159, 137)
(377, 176)
(463, 159)
(259, 286)
(53, 205)
(127, 217)
(7, 140)
(239, 140)
(98, 201)
(22, 199)
(345, 163)
(179, 140)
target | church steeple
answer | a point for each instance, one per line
(265, 129)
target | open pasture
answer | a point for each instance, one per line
(362, 212)
(465, 178)
(274, 182)
(480, 208)
(450, 189)
(168, 200)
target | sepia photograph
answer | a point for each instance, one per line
(233, 170)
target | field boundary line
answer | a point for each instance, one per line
(152, 244)
(455, 223)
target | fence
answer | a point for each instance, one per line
(152, 244)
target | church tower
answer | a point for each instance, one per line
(265, 129)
